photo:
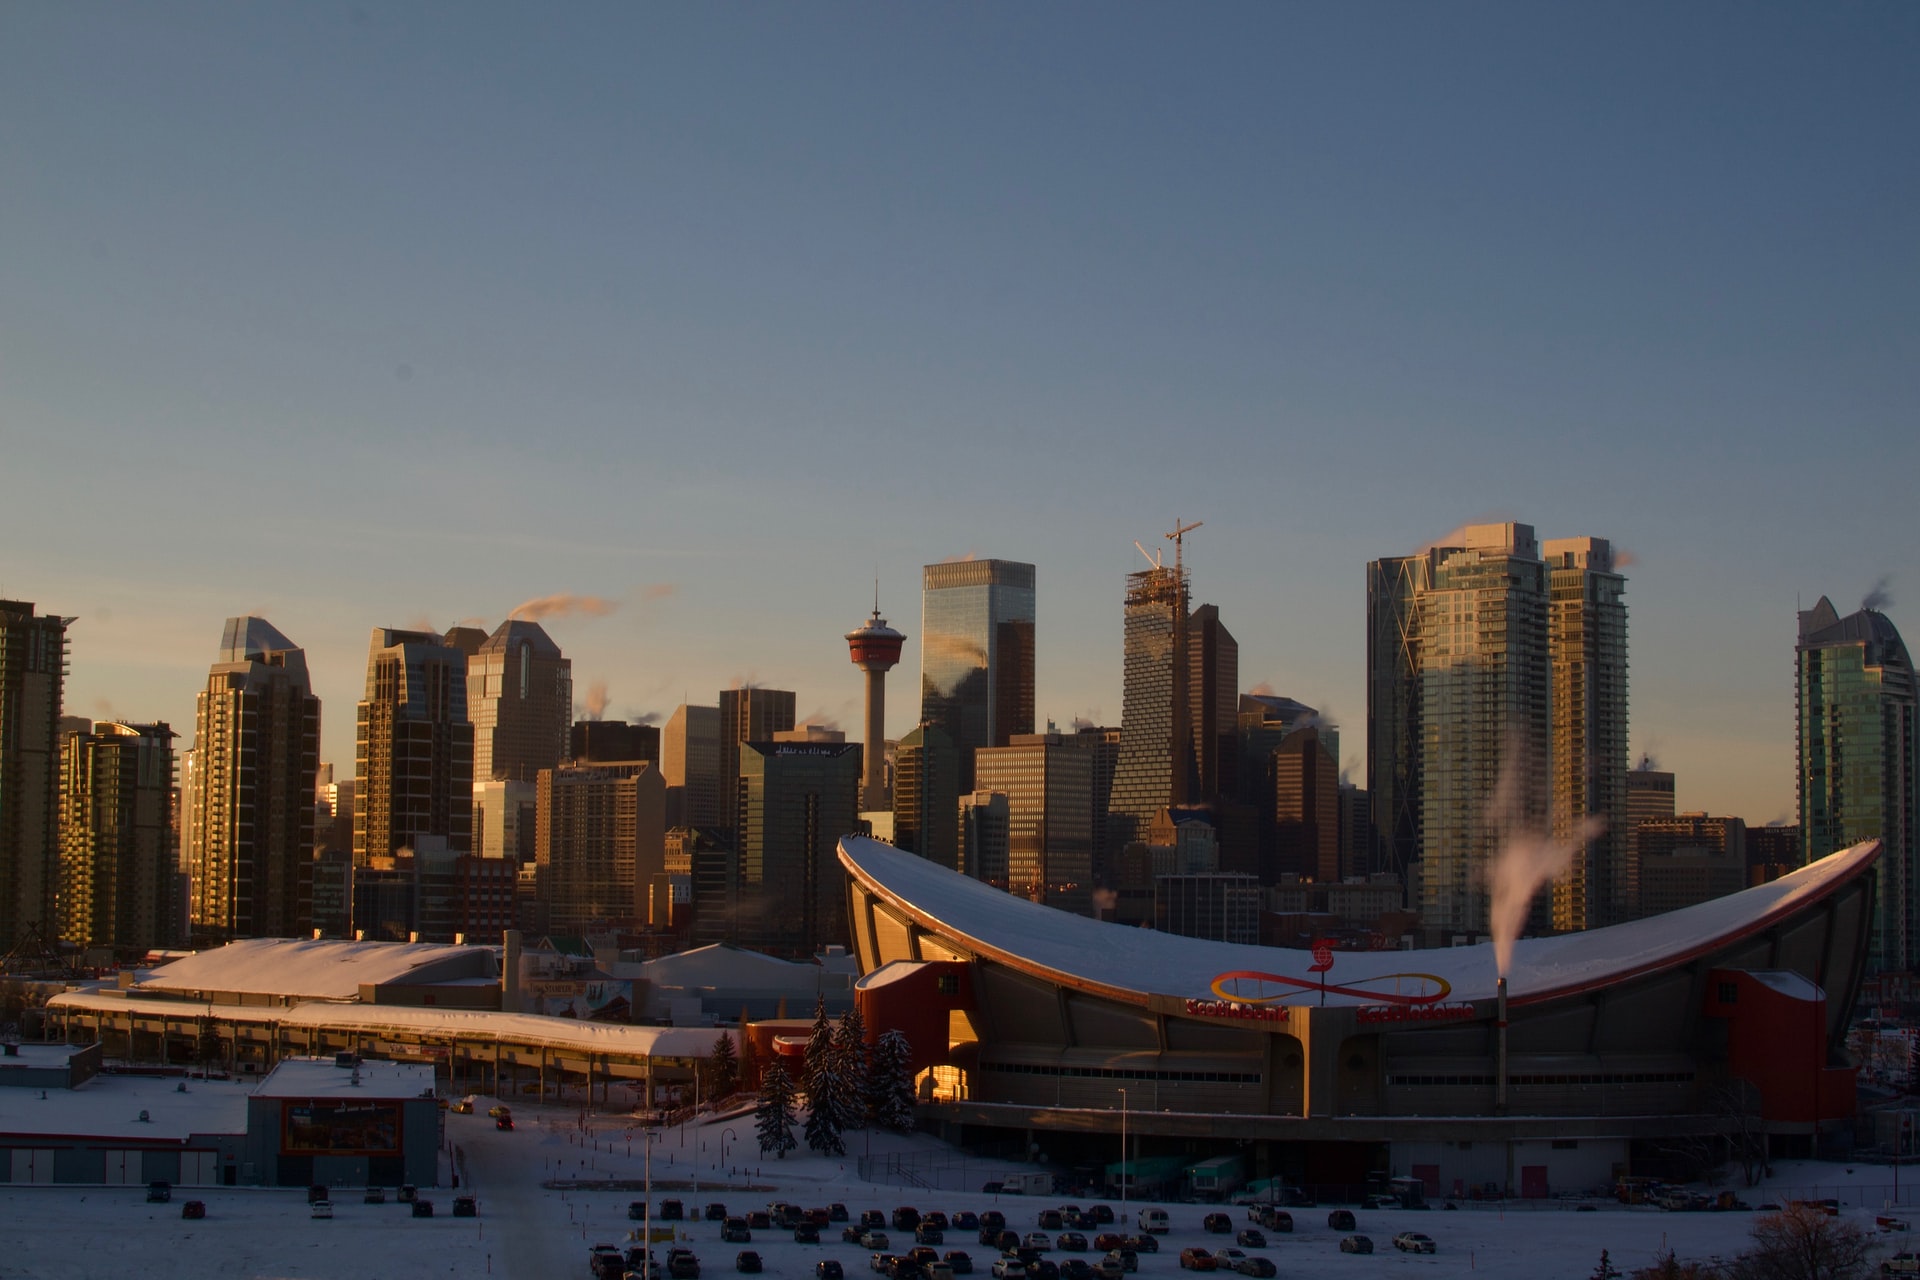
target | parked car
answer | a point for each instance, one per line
(683, 1265)
(1278, 1220)
(1108, 1240)
(760, 1220)
(1413, 1242)
(465, 1207)
(872, 1218)
(716, 1212)
(408, 1193)
(422, 1207)
(1197, 1259)
(836, 1212)
(499, 1109)
(926, 1233)
(1251, 1237)
(320, 1209)
(1218, 1224)
(374, 1195)
(1075, 1269)
(937, 1271)
(1008, 1267)
(1037, 1240)
(159, 1192)
(906, 1218)
(1341, 1220)
(317, 1192)
(1041, 1269)
(1125, 1259)
(464, 1106)
(851, 1233)
(746, 1262)
(882, 1262)
(1355, 1244)
(636, 1210)
(194, 1209)
(966, 1220)
(1048, 1219)
(1258, 1267)
(1100, 1213)
(605, 1260)
(1155, 1220)
(961, 1261)
(1143, 1243)
(934, 1218)
(504, 1124)
(1007, 1241)
(875, 1240)
(993, 1218)
(1229, 1259)
(1072, 1242)
(806, 1233)
(672, 1211)
(829, 1269)
(1105, 1270)
(735, 1231)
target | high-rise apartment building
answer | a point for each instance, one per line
(249, 796)
(600, 843)
(747, 715)
(1213, 699)
(119, 870)
(926, 796)
(33, 673)
(977, 654)
(1048, 782)
(1855, 702)
(1459, 702)
(984, 834)
(690, 760)
(520, 698)
(1102, 745)
(414, 749)
(1649, 794)
(1689, 858)
(1587, 652)
(599, 741)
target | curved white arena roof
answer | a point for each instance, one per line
(308, 969)
(1131, 963)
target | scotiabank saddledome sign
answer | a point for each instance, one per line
(1251, 996)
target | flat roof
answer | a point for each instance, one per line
(307, 969)
(111, 1106)
(1134, 964)
(321, 1078)
(30, 1056)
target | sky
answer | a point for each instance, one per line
(374, 315)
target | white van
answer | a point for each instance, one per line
(1155, 1220)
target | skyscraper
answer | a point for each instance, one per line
(520, 697)
(789, 895)
(747, 715)
(1306, 808)
(1459, 701)
(414, 749)
(1213, 660)
(690, 759)
(33, 672)
(1855, 702)
(119, 874)
(1587, 650)
(977, 654)
(256, 753)
(601, 842)
(1154, 748)
(926, 796)
(1048, 782)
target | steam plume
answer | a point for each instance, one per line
(1624, 559)
(1528, 857)
(1880, 599)
(971, 555)
(597, 700)
(1647, 763)
(657, 590)
(643, 717)
(562, 605)
(1262, 690)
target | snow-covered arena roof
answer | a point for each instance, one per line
(1132, 963)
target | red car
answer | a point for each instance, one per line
(503, 1122)
(1198, 1260)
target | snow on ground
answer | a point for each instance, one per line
(532, 1230)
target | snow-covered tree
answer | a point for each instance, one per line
(826, 1088)
(774, 1119)
(723, 1067)
(851, 1041)
(891, 1082)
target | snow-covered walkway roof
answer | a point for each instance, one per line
(1132, 963)
(308, 969)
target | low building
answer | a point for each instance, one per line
(344, 1122)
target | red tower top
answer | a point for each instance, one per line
(876, 646)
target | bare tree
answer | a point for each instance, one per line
(1804, 1242)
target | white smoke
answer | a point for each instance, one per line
(1529, 857)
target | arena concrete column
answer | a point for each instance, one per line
(1321, 1032)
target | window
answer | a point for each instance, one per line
(948, 984)
(1729, 993)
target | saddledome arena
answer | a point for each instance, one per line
(1634, 1049)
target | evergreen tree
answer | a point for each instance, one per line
(851, 1041)
(826, 1093)
(1606, 1270)
(774, 1119)
(892, 1082)
(723, 1067)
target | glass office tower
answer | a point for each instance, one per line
(1855, 703)
(976, 654)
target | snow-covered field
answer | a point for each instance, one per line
(529, 1230)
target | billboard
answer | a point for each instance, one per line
(323, 1127)
(587, 999)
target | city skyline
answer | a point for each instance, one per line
(300, 293)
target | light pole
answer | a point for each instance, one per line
(1123, 1158)
(646, 1221)
(725, 1134)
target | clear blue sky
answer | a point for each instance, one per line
(355, 315)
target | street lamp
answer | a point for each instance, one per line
(725, 1134)
(646, 1221)
(1123, 1157)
